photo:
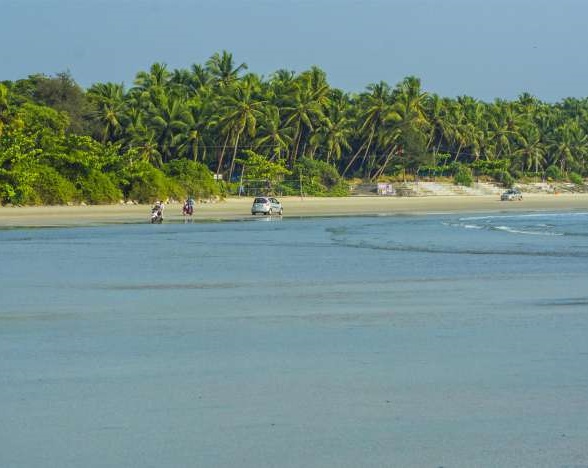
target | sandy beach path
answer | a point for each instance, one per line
(238, 208)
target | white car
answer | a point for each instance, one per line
(511, 194)
(266, 205)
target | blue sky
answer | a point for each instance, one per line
(486, 49)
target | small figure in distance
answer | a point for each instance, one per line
(157, 212)
(188, 208)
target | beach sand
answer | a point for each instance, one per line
(239, 208)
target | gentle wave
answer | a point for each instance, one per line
(525, 215)
(521, 231)
(159, 286)
(457, 251)
(567, 302)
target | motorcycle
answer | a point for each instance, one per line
(156, 216)
(187, 209)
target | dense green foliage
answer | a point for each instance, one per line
(174, 129)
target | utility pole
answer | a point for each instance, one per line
(301, 192)
(241, 181)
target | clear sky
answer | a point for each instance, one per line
(482, 48)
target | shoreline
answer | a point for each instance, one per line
(239, 208)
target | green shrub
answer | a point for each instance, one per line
(17, 187)
(319, 178)
(576, 178)
(98, 187)
(147, 184)
(7, 193)
(553, 173)
(52, 188)
(463, 176)
(340, 189)
(194, 177)
(505, 178)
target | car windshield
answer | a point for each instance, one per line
(260, 200)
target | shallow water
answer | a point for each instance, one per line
(437, 340)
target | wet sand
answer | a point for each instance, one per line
(238, 208)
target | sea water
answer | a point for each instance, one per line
(440, 340)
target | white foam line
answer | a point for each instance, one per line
(530, 233)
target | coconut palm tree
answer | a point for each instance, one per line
(281, 87)
(374, 107)
(408, 108)
(241, 111)
(302, 113)
(158, 76)
(191, 141)
(530, 148)
(109, 108)
(504, 125)
(222, 68)
(272, 135)
(168, 117)
(436, 114)
(569, 145)
(333, 135)
(200, 76)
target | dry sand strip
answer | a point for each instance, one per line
(239, 208)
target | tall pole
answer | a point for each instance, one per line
(241, 181)
(301, 192)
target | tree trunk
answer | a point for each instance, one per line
(458, 151)
(368, 146)
(222, 155)
(234, 156)
(380, 171)
(294, 153)
(352, 159)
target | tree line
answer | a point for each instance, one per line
(202, 130)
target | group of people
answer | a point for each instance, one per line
(159, 206)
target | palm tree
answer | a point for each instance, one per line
(504, 125)
(191, 141)
(157, 77)
(272, 134)
(405, 122)
(334, 129)
(109, 104)
(315, 80)
(282, 84)
(183, 84)
(200, 76)
(333, 134)
(436, 111)
(222, 68)
(241, 113)
(531, 148)
(169, 117)
(569, 144)
(374, 107)
(303, 111)
(147, 147)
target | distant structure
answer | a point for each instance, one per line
(385, 189)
